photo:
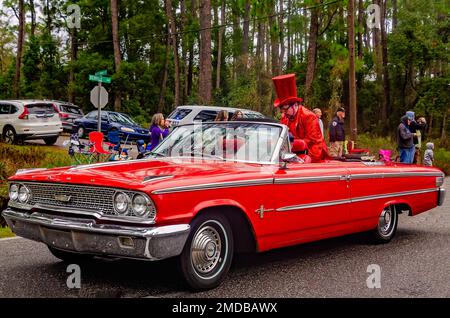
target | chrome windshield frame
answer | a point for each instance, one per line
(275, 155)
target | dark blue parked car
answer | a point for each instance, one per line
(111, 121)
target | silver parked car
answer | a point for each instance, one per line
(68, 113)
(29, 119)
(189, 113)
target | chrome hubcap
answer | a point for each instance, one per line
(205, 250)
(9, 137)
(386, 221)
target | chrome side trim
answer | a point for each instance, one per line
(217, 185)
(151, 179)
(396, 194)
(394, 175)
(312, 205)
(354, 200)
(308, 179)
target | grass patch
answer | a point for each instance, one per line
(5, 232)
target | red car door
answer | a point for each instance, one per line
(310, 201)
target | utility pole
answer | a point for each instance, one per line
(351, 69)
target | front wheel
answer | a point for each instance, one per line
(208, 253)
(387, 225)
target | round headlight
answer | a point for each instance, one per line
(140, 205)
(14, 192)
(121, 201)
(24, 194)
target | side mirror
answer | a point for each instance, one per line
(286, 157)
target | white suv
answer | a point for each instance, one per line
(189, 113)
(29, 119)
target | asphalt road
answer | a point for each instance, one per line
(415, 264)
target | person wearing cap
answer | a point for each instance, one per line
(302, 123)
(337, 133)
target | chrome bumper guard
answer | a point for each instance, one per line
(441, 196)
(86, 236)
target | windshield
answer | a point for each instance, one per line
(246, 142)
(121, 118)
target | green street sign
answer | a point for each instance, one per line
(101, 73)
(102, 79)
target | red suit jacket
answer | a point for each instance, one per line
(305, 126)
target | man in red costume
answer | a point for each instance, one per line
(303, 123)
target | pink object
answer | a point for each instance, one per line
(385, 155)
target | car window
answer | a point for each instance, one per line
(4, 109)
(92, 115)
(71, 109)
(253, 115)
(179, 113)
(206, 115)
(121, 119)
(14, 109)
(39, 109)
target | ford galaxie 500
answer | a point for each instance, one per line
(209, 191)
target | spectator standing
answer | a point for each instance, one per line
(337, 133)
(428, 157)
(159, 129)
(405, 141)
(318, 113)
(417, 128)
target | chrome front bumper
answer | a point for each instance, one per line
(441, 196)
(86, 236)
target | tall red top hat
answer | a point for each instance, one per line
(286, 89)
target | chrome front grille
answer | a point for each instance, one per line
(86, 198)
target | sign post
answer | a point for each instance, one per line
(99, 95)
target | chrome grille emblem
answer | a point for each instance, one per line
(62, 197)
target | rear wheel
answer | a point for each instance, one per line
(9, 135)
(50, 140)
(208, 253)
(387, 225)
(69, 257)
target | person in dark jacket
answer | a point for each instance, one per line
(159, 129)
(405, 141)
(417, 128)
(337, 133)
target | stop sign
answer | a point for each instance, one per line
(99, 97)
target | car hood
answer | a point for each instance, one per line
(148, 175)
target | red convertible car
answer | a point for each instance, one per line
(209, 191)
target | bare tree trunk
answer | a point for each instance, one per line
(162, 95)
(360, 28)
(219, 49)
(444, 127)
(289, 36)
(183, 66)
(205, 78)
(352, 78)
(116, 45)
(281, 32)
(394, 14)
(274, 41)
(173, 30)
(379, 67)
(268, 42)
(20, 38)
(384, 56)
(312, 51)
(33, 18)
(245, 36)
